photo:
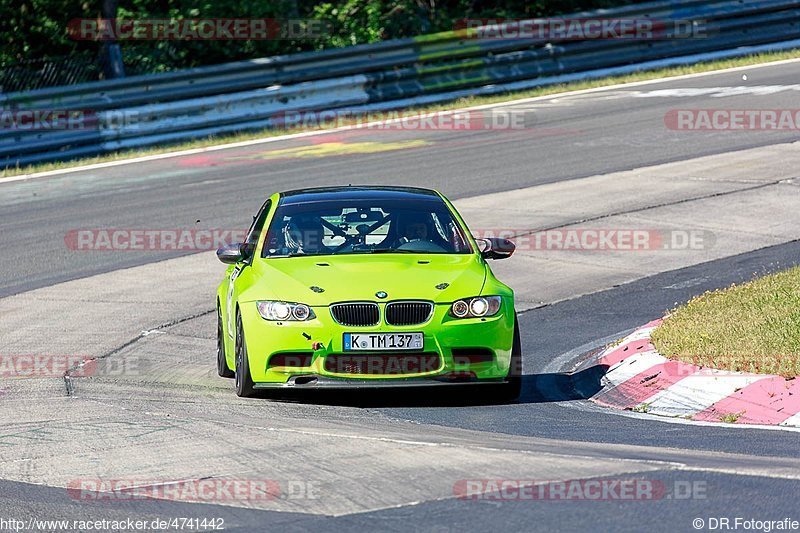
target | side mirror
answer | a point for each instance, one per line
(230, 254)
(496, 248)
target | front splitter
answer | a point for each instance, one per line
(313, 381)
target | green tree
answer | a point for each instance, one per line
(37, 29)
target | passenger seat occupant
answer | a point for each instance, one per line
(303, 234)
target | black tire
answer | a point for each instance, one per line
(513, 385)
(222, 364)
(242, 377)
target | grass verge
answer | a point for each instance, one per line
(753, 327)
(456, 104)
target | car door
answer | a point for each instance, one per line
(240, 276)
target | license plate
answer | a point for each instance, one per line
(382, 341)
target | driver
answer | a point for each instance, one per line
(303, 235)
(412, 228)
(415, 231)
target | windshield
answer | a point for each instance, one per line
(364, 226)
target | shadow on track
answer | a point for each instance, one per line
(536, 388)
(562, 387)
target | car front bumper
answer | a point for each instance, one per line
(311, 343)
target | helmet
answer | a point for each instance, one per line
(304, 233)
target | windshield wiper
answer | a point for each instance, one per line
(290, 254)
(391, 251)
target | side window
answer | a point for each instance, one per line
(254, 233)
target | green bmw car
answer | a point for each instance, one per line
(353, 287)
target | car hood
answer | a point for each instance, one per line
(359, 277)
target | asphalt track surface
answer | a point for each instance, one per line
(573, 137)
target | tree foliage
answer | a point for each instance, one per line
(37, 29)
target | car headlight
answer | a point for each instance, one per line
(477, 307)
(284, 311)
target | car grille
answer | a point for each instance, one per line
(356, 314)
(408, 313)
(384, 364)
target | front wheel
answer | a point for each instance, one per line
(244, 382)
(222, 363)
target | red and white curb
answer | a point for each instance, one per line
(642, 380)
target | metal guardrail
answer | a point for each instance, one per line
(248, 95)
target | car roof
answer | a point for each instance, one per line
(349, 192)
